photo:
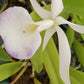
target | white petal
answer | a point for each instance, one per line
(14, 16)
(45, 24)
(56, 7)
(48, 35)
(78, 28)
(18, 43)
(39, 10)
(64, 55)
(21, 47)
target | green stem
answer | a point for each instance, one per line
(21, 73)
(32, 72)
(5, 5)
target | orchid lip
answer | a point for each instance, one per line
(30, 28)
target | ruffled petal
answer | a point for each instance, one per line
(48, 34)
(56, 7)
(19, 40)
(45, 24)
(64, 55)
(78, 28)
(44, 14)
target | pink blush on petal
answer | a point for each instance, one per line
(29, 54)
(12, 54)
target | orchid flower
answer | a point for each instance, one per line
(19, 33)
(64, 49)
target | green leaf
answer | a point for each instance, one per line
(82, 35)
(65, 14)
(50, 82)
(35, 16)
(37, 61)
(70, 35)
(77, 77)
(4, 56)
(5, 82)
(80, 21)
(23, 1)
(8, 69)
(51, 62)
(79, 49)
(36, 81)
(74, 6)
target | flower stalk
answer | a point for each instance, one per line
(21, 73)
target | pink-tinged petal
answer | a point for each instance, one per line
(19, 40)
(56, 7)
(48, 34)
(64, 55)
(45, 24)
(22, 46)
(44, 14)
(78, 28)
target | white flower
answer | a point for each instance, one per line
(64, 49)
(20, 34)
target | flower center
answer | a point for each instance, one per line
(30, 28)
(53, 21)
